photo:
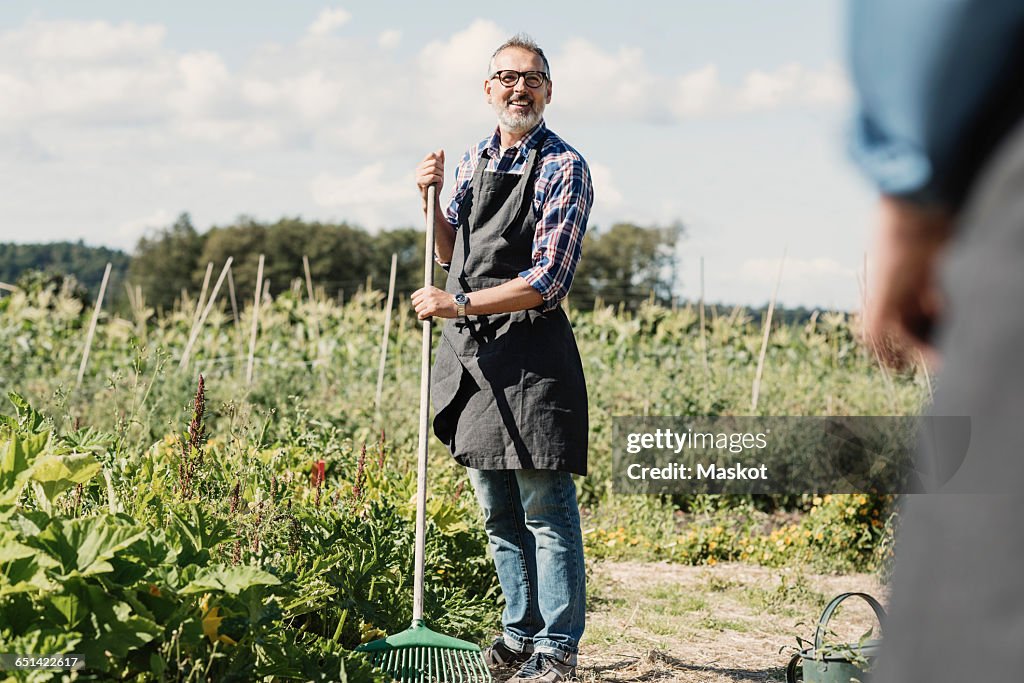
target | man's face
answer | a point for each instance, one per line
(519, 107)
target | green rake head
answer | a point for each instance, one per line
(419, 655)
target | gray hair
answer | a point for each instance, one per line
(523, 42)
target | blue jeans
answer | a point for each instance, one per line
(533, 525)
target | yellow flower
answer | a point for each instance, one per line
(211, 624)
(816, 500)
(368, 632)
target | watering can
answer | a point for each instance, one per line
(836, 663)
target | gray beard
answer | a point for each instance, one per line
(518, 123)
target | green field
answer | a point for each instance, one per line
(162, 546)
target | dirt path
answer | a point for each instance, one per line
(663, 622)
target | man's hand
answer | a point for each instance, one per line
(430, 172)
(904, 302)
(431, 302)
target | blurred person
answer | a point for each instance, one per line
(940, 131)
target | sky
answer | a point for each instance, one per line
(728, 117)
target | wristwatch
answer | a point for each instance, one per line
(461, 301)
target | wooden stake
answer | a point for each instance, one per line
(9, 288)
(384, 338)
(202, 295)
(764, 340)
(206, 311)
(255, 320)
(309, 280)
(234, 301)
(703, 337)
(131, 296)
(92, 326)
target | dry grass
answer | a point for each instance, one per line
(662, 622)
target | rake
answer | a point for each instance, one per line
(418, 654)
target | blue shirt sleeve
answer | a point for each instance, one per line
(938, 86)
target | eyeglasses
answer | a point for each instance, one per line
(509, 78)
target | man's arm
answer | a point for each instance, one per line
(514, 295)
(431, 172)
(904, 302)
(567, 199)
(934, 81)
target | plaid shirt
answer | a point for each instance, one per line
(562, 197)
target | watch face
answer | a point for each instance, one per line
(461, 299)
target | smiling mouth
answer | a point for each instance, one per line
(522, 104)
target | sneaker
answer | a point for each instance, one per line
(542, 667)
(500, 654)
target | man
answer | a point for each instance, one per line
(509, 396)
(941, 132)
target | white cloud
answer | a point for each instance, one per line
(202, 78)
(590, 83)
(327, 21)
(606, 195)
(792, 83)
(389, 40)
(594, 84)
(314, 95)
(369, 197)
(698, 92)
(128, 231)
(765, 270)
(366, 186)
(452, 72)
(82, 41)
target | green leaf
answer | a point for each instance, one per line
(231, 580)
(83, 546)
(26, 575)
(114, 628)
(11, 549)
(18, 456)
(199, 532)
(58, 473)
(29, 419)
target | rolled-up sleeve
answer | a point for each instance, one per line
(937, 87)
(558, 240)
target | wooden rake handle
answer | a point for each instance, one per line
(421, 471)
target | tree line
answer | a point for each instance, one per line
(624, 264)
